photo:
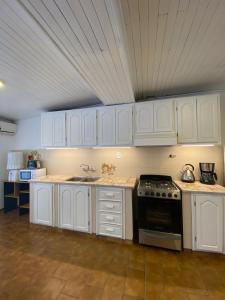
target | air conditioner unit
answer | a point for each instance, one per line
(7, 128)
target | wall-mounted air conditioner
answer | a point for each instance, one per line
(7, 128)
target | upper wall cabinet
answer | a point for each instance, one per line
(155, 123)
(187, 120)
(115, 125)
(81, 127)
(53, 126)
(198, 119)
(106, 126)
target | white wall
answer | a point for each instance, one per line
(28, 134)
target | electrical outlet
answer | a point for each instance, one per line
(118, 155)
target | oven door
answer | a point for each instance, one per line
(163, 215)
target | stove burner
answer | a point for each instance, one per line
(158, 186)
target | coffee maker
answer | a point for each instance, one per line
(208, 176)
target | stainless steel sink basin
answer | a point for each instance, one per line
(83, 179)
(89, 179)
(75, 179)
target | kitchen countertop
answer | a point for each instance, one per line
(198, 187)
(123, 182)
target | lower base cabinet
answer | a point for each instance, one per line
(74, 208)
(207, 222)
(43, 204)
(110, 212)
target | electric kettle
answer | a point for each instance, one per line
(187, 173)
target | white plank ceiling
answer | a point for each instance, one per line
(68, 53)
(175, 46)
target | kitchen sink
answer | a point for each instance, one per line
(75, 179)
(89, 179)
(83, 179)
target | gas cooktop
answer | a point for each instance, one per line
(158, 186)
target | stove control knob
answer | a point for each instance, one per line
(169, 195)
(158, 194)
(146, 193)
(164, 194)
(175, 195)
(152, 193)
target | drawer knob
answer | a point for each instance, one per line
(111, 195)
(109, 205)
(110, 229)
(110, 218)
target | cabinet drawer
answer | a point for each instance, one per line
(110, 230)
(110, 194)
(111, 206)
(110, 218)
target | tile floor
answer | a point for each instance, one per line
(41, 263)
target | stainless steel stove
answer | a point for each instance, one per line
(159, 211)
(158, 186)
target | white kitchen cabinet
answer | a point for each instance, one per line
(89, 127)
(66, 207)
(155, 123)
(74, 128)
(53, 127)
(164, 116)
(144, 122)
(198, 119)
(208, 117)
(187, 120)
(46, 130)
(81, 127)
(110, 212)
(43, 203)
(107, 126)
(124, 125)
(207, 222)
(81, 208)
(74, 210)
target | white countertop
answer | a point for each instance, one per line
(123, 182)
(198, 187)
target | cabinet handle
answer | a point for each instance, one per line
(109, 205)
(110, 229)
(110, 195)
(109, 218)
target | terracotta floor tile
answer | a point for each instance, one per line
(91, 293)
(39, 263)
(66, 297)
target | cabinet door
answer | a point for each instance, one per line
(46, 130)
(209, 222)
(208, 117)
(74, 128)
(58, 129)
(124, 128)
(106, 126)
(164, 116)
(187, 120)
(66, 206)
(81, 208)
(143, 118)
(43, 199)
(89, 127)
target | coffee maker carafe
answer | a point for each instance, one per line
(208, 176)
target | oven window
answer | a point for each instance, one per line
(160, 215)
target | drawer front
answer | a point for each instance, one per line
(110, 194)
(110, 206)
(110, 218)
(109, 230)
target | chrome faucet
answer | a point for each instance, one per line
(87, 168)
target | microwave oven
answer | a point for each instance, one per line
(28, 174)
